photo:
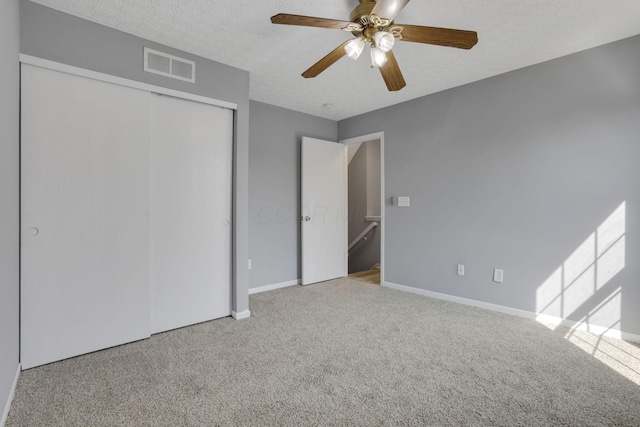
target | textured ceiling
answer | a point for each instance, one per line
(512, 34)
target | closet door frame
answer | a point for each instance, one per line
(81, 72)
(76, 71)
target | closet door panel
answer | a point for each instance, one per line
(85, 215)
(191, 160)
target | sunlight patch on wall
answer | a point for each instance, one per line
(582, 259)
(575, 289)
(611, 246)
(549, 295)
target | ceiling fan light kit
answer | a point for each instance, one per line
(354, 48)
(372, 22)
(378, 57)
(384, 40)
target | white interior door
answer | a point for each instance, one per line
(85, 215)
(191, 160)
(324, 210)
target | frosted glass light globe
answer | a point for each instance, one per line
(378, 57)
(384, 40)
(354, 48)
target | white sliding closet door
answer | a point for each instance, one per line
(85, 215)
(191, 160)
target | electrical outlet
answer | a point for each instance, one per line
(249, 264)
(498, 275)
(460, 269)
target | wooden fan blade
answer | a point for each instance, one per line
(326, 62)
(439, 36)
(388, 9)
(391, 73)
(308, 21)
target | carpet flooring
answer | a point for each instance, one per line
(339, 353)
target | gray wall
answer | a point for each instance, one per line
(517, 172)
(274, 189)
(63, 38)
(364, 200)
(9, 188)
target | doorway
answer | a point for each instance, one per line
(365, 207)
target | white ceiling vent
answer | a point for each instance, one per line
(168, 65)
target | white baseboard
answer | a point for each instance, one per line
(241, 315)
(274, 286)
(12, 393)
(542, 318)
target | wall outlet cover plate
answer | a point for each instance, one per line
(404, 201)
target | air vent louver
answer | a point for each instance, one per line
(169, 66)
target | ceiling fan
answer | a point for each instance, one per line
(372, 22)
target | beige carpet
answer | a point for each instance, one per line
(343, 353)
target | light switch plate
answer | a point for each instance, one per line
(498, 275)
(404, 201)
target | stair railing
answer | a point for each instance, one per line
(363, 235)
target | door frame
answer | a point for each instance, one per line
(376, 136)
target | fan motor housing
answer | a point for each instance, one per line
(363, 10)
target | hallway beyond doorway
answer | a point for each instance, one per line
(369, 276)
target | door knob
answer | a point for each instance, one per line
(33, 231)
(306, 218)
